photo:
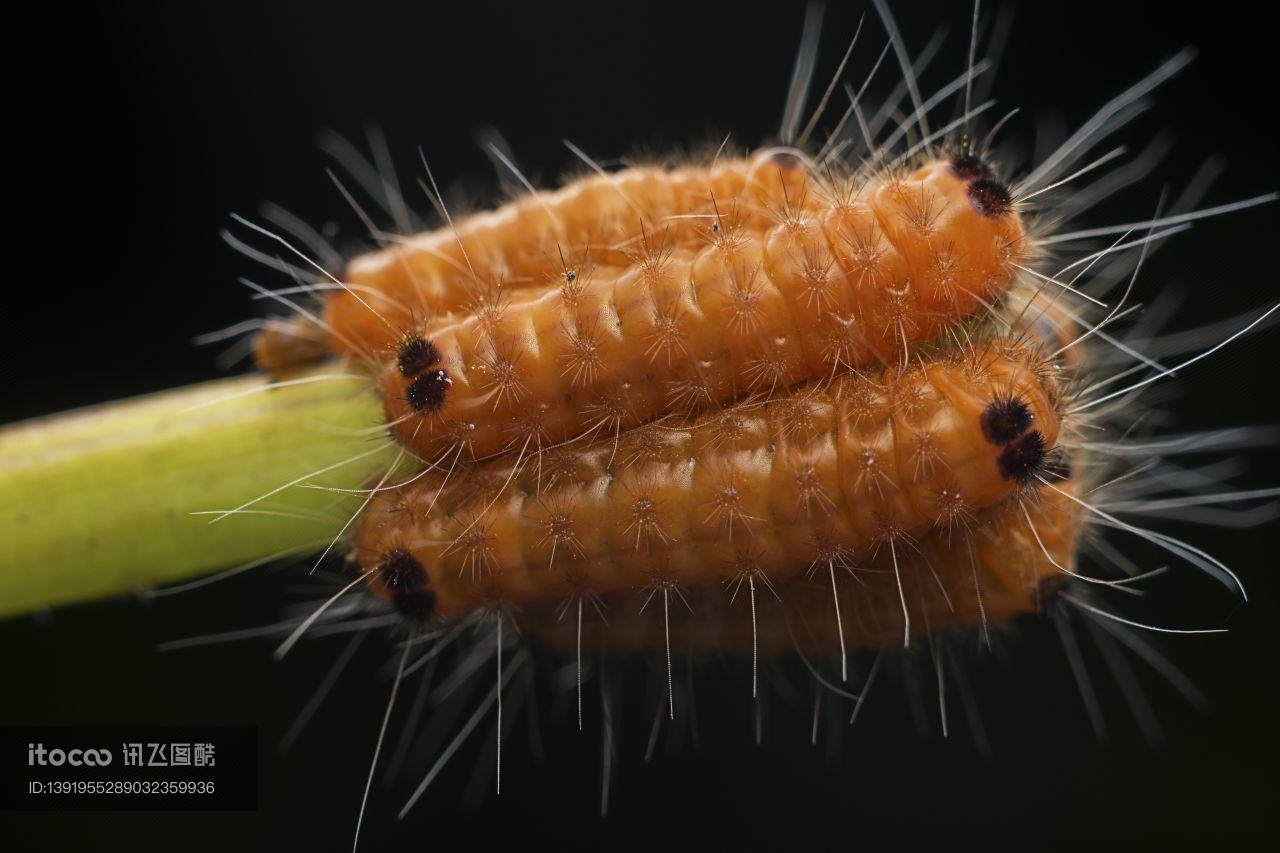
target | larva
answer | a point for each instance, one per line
(847, 467)
(778, 293)
(478, 265)
(1001, 562)
(942, 227)
(521, 246)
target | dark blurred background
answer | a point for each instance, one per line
(135, 129)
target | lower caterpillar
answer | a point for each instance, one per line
(1005, 561)
(848, 468)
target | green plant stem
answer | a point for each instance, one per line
(115, 498)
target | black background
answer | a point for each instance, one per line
(134, 129)
(148, 772)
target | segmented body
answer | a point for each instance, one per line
(766, 293)
(614, 221)
(975, 576)
(838, 469)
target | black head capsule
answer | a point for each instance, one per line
(415, 355)
(969, 167)
(1005, 419)
(1023, 458)
(426, 393)
(990, 197)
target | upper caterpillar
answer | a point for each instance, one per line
(781, 279)
(885, 227)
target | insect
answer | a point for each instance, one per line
(484, 549)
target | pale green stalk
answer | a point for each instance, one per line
(115, 498)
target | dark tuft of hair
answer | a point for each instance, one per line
(415, 355)
(969, 167)
(1024, 458)
(1004, 419)
(407, 581)
(426, 393)
(990, 197)
(400, 571)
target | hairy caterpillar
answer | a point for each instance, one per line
(881, 229)
(844, 468)
(748, 615)
(627, 609)
(768, 294)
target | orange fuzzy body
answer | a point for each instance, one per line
(843, 469)
(518, 246)
(777, 285)
(985, 572)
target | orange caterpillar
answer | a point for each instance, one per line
(941, 227)
(522, 245)
(760, 302)
(1001, 564)
(832, 470)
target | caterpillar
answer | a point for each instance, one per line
(795, 407)
(880, 230)
(1011, 565)
(844, 467)
(771, 294)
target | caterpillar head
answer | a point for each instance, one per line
(987, 194)
(780, 179)
(1008, 423)
(1018, 416)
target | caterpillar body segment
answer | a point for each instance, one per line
(974, 577)
(843, 468)
(530, 243)
(525, 244)
(783, 285)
